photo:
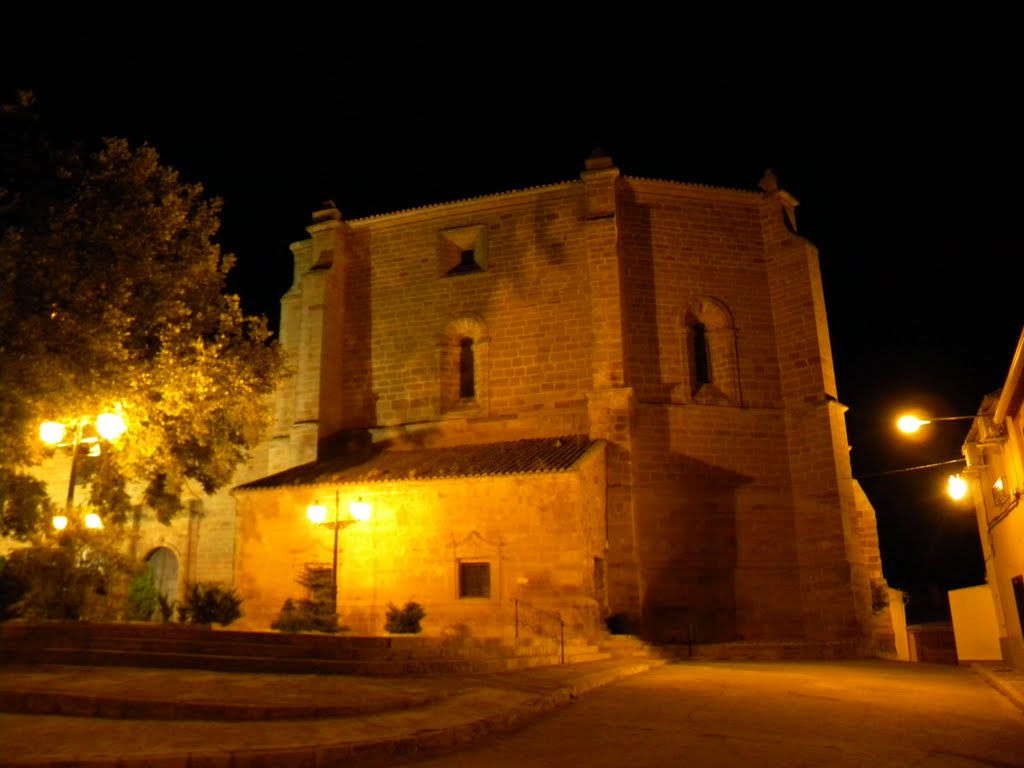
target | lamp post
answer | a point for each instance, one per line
(359, 510)
(108, 426)
(956, 486)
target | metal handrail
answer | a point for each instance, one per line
(539, 629)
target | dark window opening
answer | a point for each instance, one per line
(467, 383)
(467, 263)
(474, 580)
(1018, 596)
(701, 357)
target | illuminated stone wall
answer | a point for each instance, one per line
(539, 534)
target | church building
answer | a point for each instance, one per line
(609, 400)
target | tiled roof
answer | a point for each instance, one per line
(550, 454)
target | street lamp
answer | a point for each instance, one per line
(108, 426)
(956, 486)
(359, 510)
(909, 423)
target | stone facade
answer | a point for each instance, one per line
(678, 328)
(606, 399)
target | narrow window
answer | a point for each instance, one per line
(467, 383)
(701, 358)
(474, 580)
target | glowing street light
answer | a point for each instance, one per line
(909, 423)
(359, 511)
(108, 426)
(956, 487)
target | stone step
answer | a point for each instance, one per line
(279, 665)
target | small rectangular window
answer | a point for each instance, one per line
(462, 250)
(474, 580)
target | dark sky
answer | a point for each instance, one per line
(899, 137)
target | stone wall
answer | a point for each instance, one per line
(540, 534)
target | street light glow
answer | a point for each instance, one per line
(317, 513)
(110, 426)
(360, 509)
(910, 424)
(60, 522)
(957, 487)
(51, 432)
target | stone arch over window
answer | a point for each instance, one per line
(464, 364)
(710, 367)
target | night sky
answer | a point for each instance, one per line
(899, 139)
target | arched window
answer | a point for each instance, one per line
(467, 374)
(710, 367)
(463, 364)
(701, 358)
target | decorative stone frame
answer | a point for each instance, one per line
(473, 548)
(454, 244)
(469, 327)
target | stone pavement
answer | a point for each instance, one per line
(120, 716)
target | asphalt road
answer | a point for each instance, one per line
(833, 714)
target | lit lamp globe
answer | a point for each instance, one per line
(110, 426)
(92, 520)
(956, 487)
(910, 424)
(51, 432)
(360, 509)
(60, 522)
(317, 513)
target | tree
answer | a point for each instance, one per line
(112, 296)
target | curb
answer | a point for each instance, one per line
(34, 702)
(1013, 692)
(419, 744)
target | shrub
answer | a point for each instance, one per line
(143, 596)
(405, 620)
(166, 607)
(306, 616)
(206, 604)
(11, 591)
(74, 576)
(879, 595)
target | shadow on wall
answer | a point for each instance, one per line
(688, 553)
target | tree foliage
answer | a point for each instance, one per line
(112, 296)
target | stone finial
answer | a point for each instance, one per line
(328, 212)
(768, 182)
(597, 160)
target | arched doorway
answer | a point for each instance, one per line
(165, 572)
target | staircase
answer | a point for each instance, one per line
(187, 647)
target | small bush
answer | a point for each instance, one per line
(406, 620)
(166, 607)
(879, 595)
(143, 596)
(209, 604)
(12, 590)
(306, 616)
